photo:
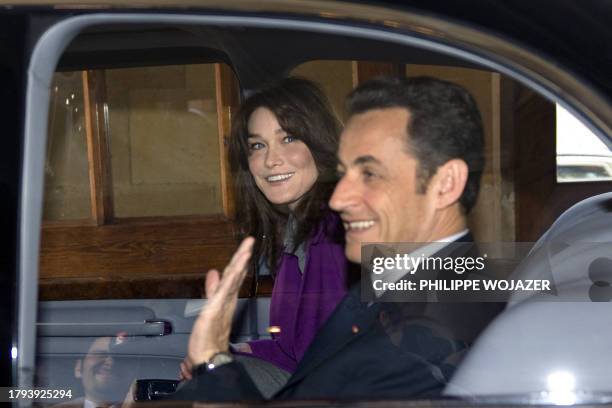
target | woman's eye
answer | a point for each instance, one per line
(256, 146)
(289, 139)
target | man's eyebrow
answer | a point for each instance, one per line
(366, 160)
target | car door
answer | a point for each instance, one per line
(122, 261)
(133, 279)
(13, 69)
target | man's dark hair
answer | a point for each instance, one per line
(444, 124)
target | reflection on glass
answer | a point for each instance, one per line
(164, 140)
(561, 386)
(99, 375)
(66, 167)
(581, 156)
(335, 78)
(105, 380)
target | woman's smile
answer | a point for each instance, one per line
(279, 178)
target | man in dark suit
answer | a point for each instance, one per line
(410, 161)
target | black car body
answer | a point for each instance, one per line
(560, 49)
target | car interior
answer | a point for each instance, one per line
(137, 200)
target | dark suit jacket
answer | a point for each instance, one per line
(372, 351)
(452, 316)
(441, 332)
(351, 357)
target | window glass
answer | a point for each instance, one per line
(581, 156)
(335, 77)
(493, 216)
(119, 296)
(66, 165)
(134, 162)
(164, 140)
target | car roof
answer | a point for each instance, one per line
(524, 39)
(278, 50)
(576, 33)
(584, 46)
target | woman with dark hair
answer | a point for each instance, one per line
(283, 156)
(282, 152)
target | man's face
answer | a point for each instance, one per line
(96, 368)
(377, 195)
(105, 375)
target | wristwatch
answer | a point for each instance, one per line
(217, 360)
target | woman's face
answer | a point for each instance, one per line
(282, 166)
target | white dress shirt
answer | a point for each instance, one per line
(392, 276)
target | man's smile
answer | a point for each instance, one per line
(360, 225)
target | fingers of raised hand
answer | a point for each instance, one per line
(186, 367)
(235, 271)
(222, 291)
(242, 255)
(212, 282)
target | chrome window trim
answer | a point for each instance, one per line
(395, 26)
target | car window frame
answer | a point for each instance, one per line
(533, 71)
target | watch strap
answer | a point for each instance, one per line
(217, 360)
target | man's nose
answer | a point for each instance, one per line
(344, 196)
(274, 157)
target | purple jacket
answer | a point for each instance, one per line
(300, 304)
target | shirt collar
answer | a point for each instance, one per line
(454, 237)
(426, 250)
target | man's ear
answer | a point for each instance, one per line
(449, 182)
(78, 366)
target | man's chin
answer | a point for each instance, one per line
(353, 253)
(112, 391)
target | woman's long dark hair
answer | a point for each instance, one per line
(303, 111)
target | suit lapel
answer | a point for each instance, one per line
(351, 320)
(339, 330)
